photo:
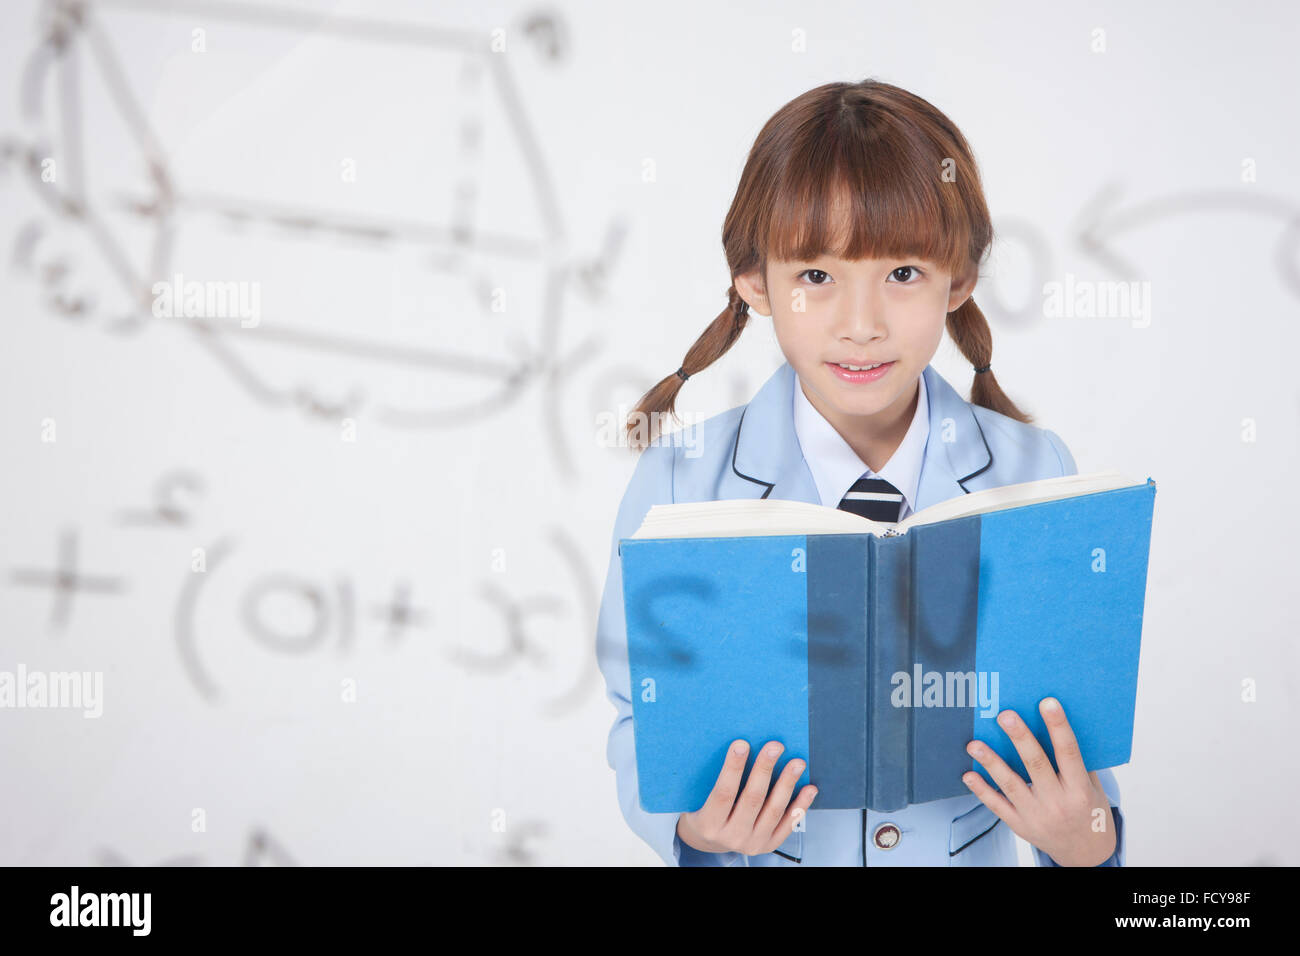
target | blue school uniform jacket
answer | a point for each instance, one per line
(751, 451)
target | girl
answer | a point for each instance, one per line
(859, 225)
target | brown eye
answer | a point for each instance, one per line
(815, 272)
(907, 272)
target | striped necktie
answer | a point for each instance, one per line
(874, 498)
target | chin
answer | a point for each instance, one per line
(863, 411)
(861, 399)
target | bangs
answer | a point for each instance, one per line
(868, 197)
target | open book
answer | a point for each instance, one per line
(875, 652)
(760, 516)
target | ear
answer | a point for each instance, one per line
(750, 287)
(960, 289)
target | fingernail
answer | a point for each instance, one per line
(1007, 719)
(738, 747)
(1050, 704)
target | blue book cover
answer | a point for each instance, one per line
(875, 659)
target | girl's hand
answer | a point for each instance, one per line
(1057, 812)
(749, 824)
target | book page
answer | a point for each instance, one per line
(748, 517)
(1015, 496)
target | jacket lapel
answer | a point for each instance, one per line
(956, 453)
(767, 462)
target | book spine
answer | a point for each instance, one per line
(838, 574)
(924, 605)
(889, 653)
(945, 687)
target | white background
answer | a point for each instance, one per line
(287, 133)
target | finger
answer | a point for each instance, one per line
(797, 811)
(779, 798)
(1031, 751)
(722, 797)
(1065, 747)
(1009, 782)
(999, 804)
(1097, 786)
(752, 797)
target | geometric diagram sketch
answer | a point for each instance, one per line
(330, 610)
(261, 849)
(509, 845)
(1100, 222)
(516, 852)
(329, 615)
(66, 579)
(132, 221)
(518, 645)
(167, 507)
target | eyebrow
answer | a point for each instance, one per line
(823, 256)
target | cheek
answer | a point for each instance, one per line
(797, 332)
(934, 333)
(925, 327)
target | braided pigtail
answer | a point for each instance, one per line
(970, 330)
(720, 335)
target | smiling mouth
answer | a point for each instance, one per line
(853, 374)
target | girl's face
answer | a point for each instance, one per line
(829, 311)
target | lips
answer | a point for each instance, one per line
(861, 376)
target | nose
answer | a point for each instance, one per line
(860, 317)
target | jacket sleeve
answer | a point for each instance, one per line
(1107, 777)
(1068, 466)
(1111, 786)
(652, 483)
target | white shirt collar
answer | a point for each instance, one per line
(835, 466)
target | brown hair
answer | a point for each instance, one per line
(912, 189)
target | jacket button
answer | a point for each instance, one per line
(886, 836)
